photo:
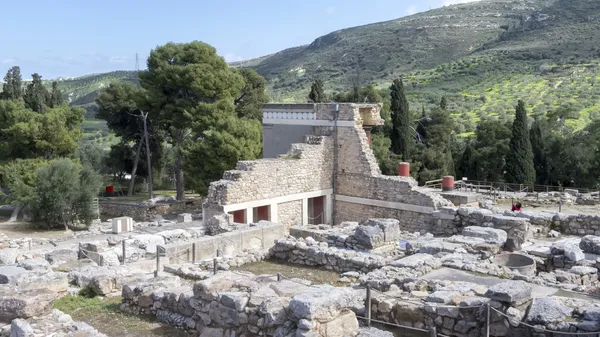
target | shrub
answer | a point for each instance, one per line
(64, 193)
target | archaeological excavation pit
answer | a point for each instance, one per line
(516, 262)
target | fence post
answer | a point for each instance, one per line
(433, 331)
(278, 277)
(123, 247)
(30, 244)
(79, 252)
(215, 266)
(487, 321)
(368, 305)
(560, 206)
(194, 252)
(156, 272)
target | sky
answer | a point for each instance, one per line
(69, 38)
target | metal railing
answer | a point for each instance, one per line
(494, 187)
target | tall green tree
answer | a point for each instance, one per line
(28, 134)
(249, 102)
(56, 97)
(436, 154)
(444, 103)
(519, 160)
(185, 82)
(400, 136)
(540, 160)
(228, 140)
(13, 84)
(468, 165)
(36, 95)
(317, 92)
(119, 105)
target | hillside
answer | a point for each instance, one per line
(482, 55)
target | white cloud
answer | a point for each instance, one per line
(7, 61)
(454, 2)
(229, 57)
(117, 59)
(412, 9)
(330, 10)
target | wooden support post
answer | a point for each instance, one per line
(157, 271)
(278, 277)
(368, 306)
(215, 266)
(488, 321)
(123, 248)
(194, 252)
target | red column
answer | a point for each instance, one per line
(404, 169)
(448, 183)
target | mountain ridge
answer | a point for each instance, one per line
(482, 55)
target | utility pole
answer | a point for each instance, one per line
(149, 163)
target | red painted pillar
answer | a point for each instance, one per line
(368, 132)
(404, 169)
(448, 183)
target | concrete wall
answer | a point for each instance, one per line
(277, 139)
(232, 243)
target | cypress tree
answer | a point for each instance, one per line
(400, 120)
(317, 92)
(12, 87)
(443, 103)
(519, 160)
(56, 98)
(540, 162)
(36, 94)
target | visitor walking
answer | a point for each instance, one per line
(516, 207)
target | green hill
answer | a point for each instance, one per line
(483, 56)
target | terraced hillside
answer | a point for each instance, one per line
(482, 55)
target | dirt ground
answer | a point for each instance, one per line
(313, 274)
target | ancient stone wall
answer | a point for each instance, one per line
(139, 212)
(237, 304)
(290, 213)
(306, 168)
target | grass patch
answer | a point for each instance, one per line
(103, 313)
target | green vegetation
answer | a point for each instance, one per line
(39, 137)
(104, 315)
(519, 160)
(204, 126)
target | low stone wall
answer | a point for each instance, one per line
(141, 212)
(312, 253)
(259, 236)
(371, 235)
(240, 304)
(459, 309)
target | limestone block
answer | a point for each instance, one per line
(323, 303)
(184, 217)
(490, 235)
(25, 304)
(547, 310)
(10, 274)
(20, 328)
(122, 224)
(34, 264)
(8, 256)
(346, 324)
(369, 237)
(509, 292)
(390, 228)
(590, 244)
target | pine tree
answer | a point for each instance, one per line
(36, 95)
(540, 161)
(443, 103)
(519, 160)
(12, 87)
(400, 120)
(317, 92)
(56, 98)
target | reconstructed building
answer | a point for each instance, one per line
(318, 168)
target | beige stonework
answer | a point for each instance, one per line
(286, 183)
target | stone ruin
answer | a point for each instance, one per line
(405, 256)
